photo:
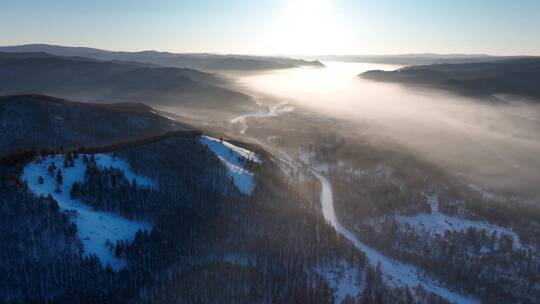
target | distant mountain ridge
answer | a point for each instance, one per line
(485, 79)
(93, 80)
(203, 61)
(421, 59)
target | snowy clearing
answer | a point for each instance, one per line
(94, 227)
(438, 223)
(345, 280)
(233, 158)
(397, 273)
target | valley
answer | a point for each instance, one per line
(376, 193)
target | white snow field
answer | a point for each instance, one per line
(438, 223)
(233, 157)
(94, 227)
(397, 273)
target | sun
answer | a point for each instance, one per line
(308, 27)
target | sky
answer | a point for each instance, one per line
(285, 27)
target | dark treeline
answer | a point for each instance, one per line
(20, 155)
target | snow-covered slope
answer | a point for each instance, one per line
(94, 227)
(437, 223)
(234, 158)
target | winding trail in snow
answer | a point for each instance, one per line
(399, 273)
(273, 111)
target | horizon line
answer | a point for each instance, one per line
(421, 53)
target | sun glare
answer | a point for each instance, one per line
(309, 27)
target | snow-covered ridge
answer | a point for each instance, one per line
(94, 227)
(234, 159)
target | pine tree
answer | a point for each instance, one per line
(50, 170)
(118, 249)
(59, 178)
(75, 190)
(134, 184)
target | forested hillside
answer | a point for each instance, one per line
(477, 242)
(268, 246)
(37, 121)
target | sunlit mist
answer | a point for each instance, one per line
(495, 144)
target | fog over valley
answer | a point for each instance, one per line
(494, 143)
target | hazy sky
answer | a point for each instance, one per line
(278, 26)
